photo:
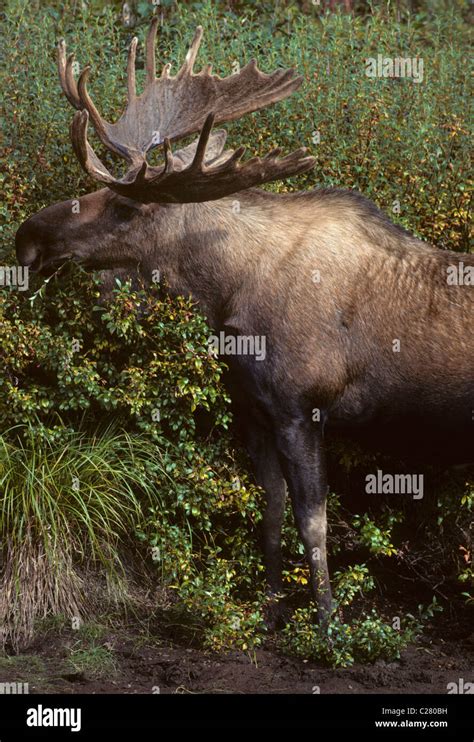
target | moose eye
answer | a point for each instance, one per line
(127, 210)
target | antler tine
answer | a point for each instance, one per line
(235, 156)
(79, 138)
(188, 64)
(131, 88)
(165, 72)
(66, 78)
(202, 143)
(88, 104)
(97, 120)
(169, 166)
(140, 178)
(150, 52)
(69, 78)
(77, 94)
(84, 152)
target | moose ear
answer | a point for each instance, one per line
(214, 149)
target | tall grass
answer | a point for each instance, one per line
(64, 508)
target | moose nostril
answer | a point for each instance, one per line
(27, 253)
(28, 257)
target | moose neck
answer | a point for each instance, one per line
(210, 250)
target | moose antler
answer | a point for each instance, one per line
(171, 108)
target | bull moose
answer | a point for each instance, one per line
(363, 328)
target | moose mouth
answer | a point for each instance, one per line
(48, 267)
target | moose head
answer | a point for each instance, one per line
(102, 228)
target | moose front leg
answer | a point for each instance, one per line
(268, 475)
(304, 466)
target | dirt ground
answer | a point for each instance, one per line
(146, 665)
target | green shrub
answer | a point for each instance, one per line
(142, 363)
(377, 537)
(367, 638)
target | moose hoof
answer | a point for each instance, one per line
(323, 613)
(276, 613)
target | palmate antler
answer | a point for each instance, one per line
(171, 108)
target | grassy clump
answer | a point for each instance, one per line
(67, 507)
